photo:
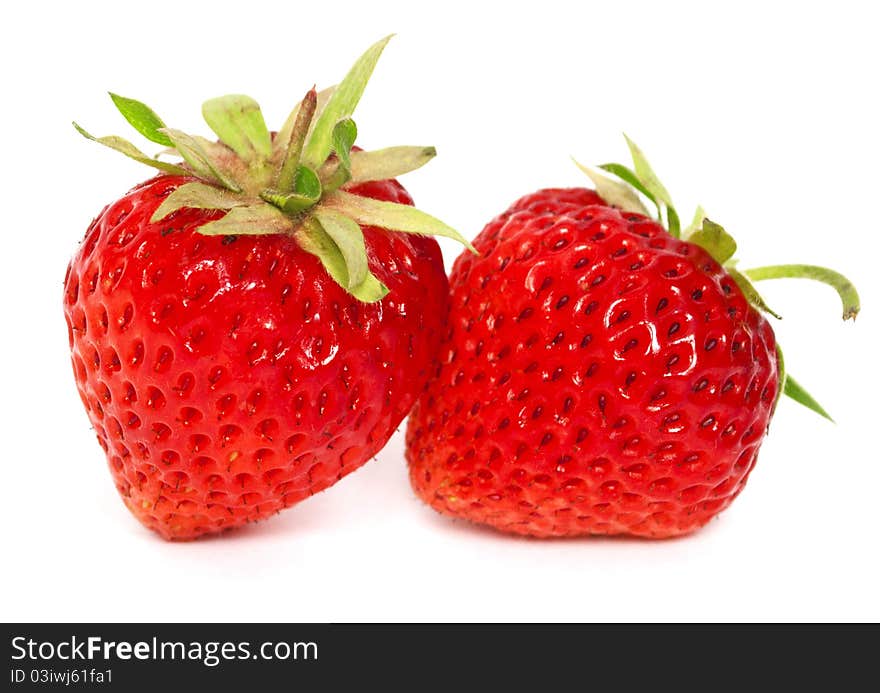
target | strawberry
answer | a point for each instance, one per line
(600, 374)
(251, 325)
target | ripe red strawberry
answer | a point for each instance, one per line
(245, 329)
(600, 375)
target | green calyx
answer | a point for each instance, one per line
(629, 185)
(292, 184)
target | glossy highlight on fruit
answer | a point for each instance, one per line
(600, 377)
(600, 374)
(253, 323)
(230, 377)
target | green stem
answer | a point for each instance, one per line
(844, 287)
(287, 174)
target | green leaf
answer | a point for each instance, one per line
(628, 176)
(341, 104)
(349, 238)
(370, 290)
(781, 376)
(715, 240)
(646, 174)
(195, 152)
(312, 238)
(673, 224)
(279, 145)
(344, 135)
(238, 121)
(750, 292)
(196, 196)
(291, 204)
(252, 220)
(849, 297)
(614, 192)
(307, 183)
(383, 164)
(142, 118)
(123, 146)
(392, 216)
(696, 222)
(795, 390)
(306, 192)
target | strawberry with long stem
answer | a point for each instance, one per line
(604, 372)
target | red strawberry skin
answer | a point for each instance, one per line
(228, 378)
(598, 377)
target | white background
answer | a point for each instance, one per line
(766, 113)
